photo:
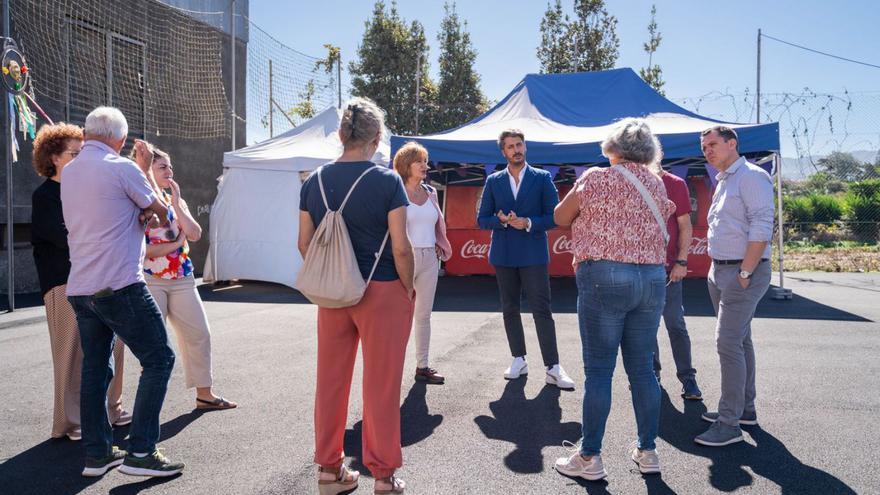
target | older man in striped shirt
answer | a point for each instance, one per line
(740, 227)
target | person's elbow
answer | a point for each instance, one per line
(401, 249)
(195, 235)
(560, 219)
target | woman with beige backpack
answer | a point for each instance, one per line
(352, 198)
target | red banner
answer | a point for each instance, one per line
(470, 245)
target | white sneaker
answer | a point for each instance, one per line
(75, 435)
(517, 368)
(648, 460)
(557, 376)
(576, 465)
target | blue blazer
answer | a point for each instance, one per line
(535, 200)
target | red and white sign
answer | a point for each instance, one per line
(470, 245)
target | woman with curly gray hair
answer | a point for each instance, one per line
(618, 219)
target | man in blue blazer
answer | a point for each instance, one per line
(517, 205)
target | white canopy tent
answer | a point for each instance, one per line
(255, 217)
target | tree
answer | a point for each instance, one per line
(554, 52)
(586, 42)
(459, 98)
(593, 34)
(652, 74)
(334, 56)
(843, 166)
(305, 109)
(386, 67)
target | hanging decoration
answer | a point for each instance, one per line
(16, 79)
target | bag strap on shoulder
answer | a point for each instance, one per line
(347, 195)
(652, 205)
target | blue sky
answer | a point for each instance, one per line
(707, 46)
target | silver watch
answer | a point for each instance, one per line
(745, 274)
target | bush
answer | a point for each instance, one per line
(866, 189)
(826, 209)
(863, 211)
(798, 211)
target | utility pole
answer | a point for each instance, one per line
(758, 95)
(339, 78)
(271, 99)
(10, 219)
(232, 71)
(418, 80)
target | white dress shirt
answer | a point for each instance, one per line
(514, 187)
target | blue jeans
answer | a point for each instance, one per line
(132, 314)
(619, 305)
(679, 340)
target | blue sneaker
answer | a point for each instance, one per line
(719, 435)
(690, 390)
(749, 418)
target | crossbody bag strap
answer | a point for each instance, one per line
(652, 205)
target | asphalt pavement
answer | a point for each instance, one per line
(818, 402)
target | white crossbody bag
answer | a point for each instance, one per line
(652, 205)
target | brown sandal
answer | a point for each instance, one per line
(397, 485)
(346, 480)
(218, 403)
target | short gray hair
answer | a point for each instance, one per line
(361, 121)
(633, 141)
(106, 122)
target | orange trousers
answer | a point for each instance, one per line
(382, 322)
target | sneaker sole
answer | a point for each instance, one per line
(646, 470)
(525, 372)
(100, 471)
(691, 397)
(428, 381)
(552, 381)
(123, 423)
(580, 474)
(719, 444)
(743, 422)
(134, 471)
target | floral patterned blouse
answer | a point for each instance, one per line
(613, 222)
(174, 265)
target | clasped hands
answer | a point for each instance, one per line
(519, 223)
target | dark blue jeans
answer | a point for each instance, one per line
(619, 306)
(679, 339)
(132, 314)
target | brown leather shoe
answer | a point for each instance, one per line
(429, 376)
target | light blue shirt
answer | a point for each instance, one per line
(102, 195)
(741, 211)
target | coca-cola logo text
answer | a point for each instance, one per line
(699, 246)
(471, 249)
(563, 245)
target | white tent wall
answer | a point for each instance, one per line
(254, 227)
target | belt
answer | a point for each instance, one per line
(733, 262)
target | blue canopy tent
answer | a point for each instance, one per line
(565, 117)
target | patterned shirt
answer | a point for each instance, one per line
(613, 221)
(741, 211)
(175, 264)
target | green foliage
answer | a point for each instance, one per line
(653, 74)
(459, 98)
(386, 67)
(826, 209)
(845, 167)
(863, 209)
(866, 189)
(305, 109)
(587, 41)
(824, 183)
(798, 211)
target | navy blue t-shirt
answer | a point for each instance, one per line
(365, 214)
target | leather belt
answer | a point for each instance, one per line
(733, 262)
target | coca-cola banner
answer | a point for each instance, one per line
(470, 252)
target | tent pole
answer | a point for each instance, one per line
(418, 80)
(10, 219)
(758, 92)
(271, 99)
(780, 292)
(232, 70)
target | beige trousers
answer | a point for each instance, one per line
(427, 269)
(67, 360)
(182, 307)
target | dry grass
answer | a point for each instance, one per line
(831, 259)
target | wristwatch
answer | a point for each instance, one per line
(745, 274)
(683, 263)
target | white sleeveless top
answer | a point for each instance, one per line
(420, 223)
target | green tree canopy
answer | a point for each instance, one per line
(586, 41)
(459, 98)
(653, 74)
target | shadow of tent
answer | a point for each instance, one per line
(54, 466)
(416, 425)
(769, 458)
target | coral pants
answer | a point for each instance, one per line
(382, 321)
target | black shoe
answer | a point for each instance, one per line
(154, 464)
(430, 376)
(97, 467)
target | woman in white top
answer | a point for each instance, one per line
(427, 233)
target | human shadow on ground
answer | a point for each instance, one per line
(769, 458)
(416, 424)
(55, 465)
(529, 424)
